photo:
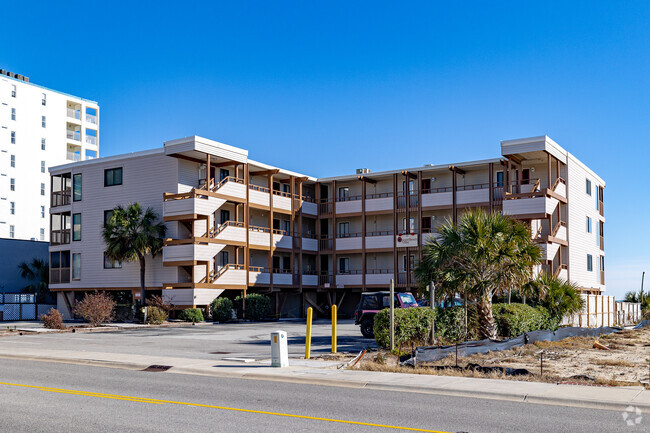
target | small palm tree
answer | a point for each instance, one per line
(37, 272)
(484, 255)
(131, 234)
(562, 298)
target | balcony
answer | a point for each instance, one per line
(189, 205)
(73, 156)
(91, 140)
(183, 251)
(532, 207)
(60, 237)
(73, 135)
(74, 114)
(348, 241)
(91, 119)
(379, 277)
(60, 198)
(59, 275)
(380, 240)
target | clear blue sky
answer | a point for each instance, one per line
(324, 87)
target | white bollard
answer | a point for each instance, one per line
(279, 350)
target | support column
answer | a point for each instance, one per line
(299, 237)
(334, 267)
(270, 223)
(207, 172)
(491, 185)
(454, 201)
(395, 203)
(363, 235)
(247, 225)
(292, 227)
(548, 175)
(318, 233)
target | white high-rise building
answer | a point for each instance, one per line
(39, 128)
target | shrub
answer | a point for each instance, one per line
(156, 315)
(514, 319)
(95, 308)
(450, 324)
(412, 326)
(53, 319)
(159, 302)
(191, 315)
(221, 309)
(257, 306)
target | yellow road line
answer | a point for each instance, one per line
(234, 409)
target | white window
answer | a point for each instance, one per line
(12, 231)
(42, 166)
(76, 266)
(44, 99)
(12, 184)
(588, 186)
(344, 230)
(13, 137)
(43, 121)
(13, 161)
(588, 224)
(42, 189)
(344, 265)
(13, 114)
(13, 90)
(42, 211)
(590, 263)
(42, 144)
(12, 208)
(411, 228)
(42, 234)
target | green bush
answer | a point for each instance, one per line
(257, 306)
(450, 324)
(221, 309)
(191, 315)
(156, 315)
(412, 326)
(514, 319)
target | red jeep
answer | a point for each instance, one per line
(371, 303)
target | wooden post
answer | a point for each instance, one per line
(270, 223)
(454, 204)
(207, 173)
(363, 235)
(491, 185)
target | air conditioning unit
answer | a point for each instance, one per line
(363, 170)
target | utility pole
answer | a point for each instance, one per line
(642, 278)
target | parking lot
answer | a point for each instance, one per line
(204, 341)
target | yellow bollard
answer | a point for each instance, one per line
(334, 328)
(310, 312)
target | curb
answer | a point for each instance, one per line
(489, 395)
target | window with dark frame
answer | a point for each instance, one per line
(113, 176)
(76, 227)
(107, 216)
(76, 187)
(111, 264)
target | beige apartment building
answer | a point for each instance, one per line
(236, 225)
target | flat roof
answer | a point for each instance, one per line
(47, 88)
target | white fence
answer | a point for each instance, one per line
(601, 310)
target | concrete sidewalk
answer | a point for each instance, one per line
(325, 373)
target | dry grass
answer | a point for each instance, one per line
(626, 363)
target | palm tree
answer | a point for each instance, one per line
(484, 255)
(131, 234)
(38, 273)
(562, 298)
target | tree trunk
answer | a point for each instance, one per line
(142, 285)
(486, 320)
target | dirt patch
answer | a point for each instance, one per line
(572, 360)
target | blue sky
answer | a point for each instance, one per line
(439, 81)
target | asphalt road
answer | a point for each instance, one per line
(62, 398)
(208, 341)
